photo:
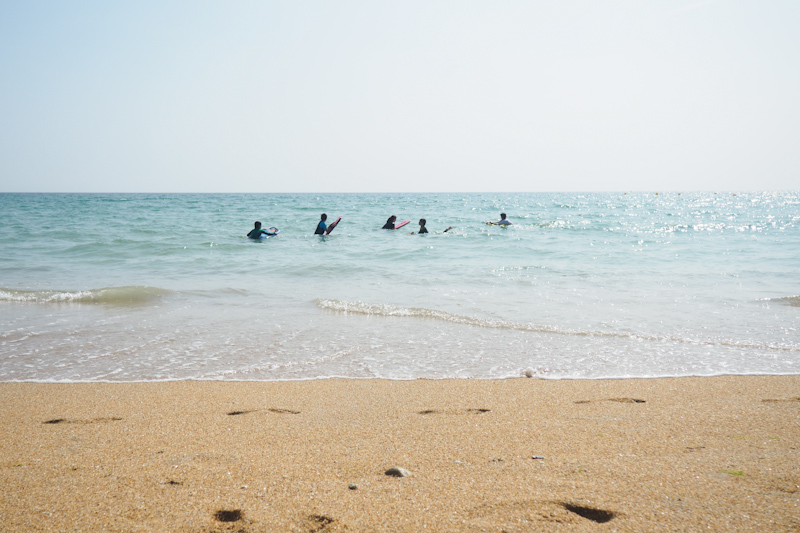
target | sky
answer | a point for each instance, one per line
(399, 96)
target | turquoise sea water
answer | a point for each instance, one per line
(129, 287)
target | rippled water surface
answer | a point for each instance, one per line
(154, 287)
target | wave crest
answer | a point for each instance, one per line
(121, 296)
(363, 308)
(793, 301)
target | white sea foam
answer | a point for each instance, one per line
(363, 308)
(120, 296)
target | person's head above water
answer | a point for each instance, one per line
(258, 224)
(502, 216)
(391, 219)
(422, 222)
(323, 217)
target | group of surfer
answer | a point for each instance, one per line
(323, 229)
(391, 224)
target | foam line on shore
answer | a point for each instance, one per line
(387, 310)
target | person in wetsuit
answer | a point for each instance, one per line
(390, 223)
(322, 226)
(423, 229)
(256, 232)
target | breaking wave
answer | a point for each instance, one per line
(793, 301)
(363, 308)
(121, 296)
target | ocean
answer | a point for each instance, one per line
(151, 287)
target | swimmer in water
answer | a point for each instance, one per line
(423, 229)
(502, 222)
(322, 226)
(390, 223)
(256, 232)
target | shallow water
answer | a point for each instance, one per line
(157, 287)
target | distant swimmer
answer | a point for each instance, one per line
(423, 229)
(257, 232)
(502, 222)
(390, 222)
(322, 226)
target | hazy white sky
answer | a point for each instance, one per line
(428, 95)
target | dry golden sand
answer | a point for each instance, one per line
(682, 454)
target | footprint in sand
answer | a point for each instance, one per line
(284, 411)
(234, 413)
(601, 516)
(322, 523)
(509, 514)
(272, 410)
(618, 400)
(90, 421)
(453, 411)
(226, 515)
(782, 400)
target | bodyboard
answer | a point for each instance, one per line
(330, 228)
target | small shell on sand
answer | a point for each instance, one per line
(396, 471)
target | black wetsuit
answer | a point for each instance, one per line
(321, 227)
(255, 233)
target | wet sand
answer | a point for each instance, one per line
(682, 454)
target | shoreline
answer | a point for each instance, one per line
(512, 454)
(522, 376)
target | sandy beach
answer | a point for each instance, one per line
(684, 454)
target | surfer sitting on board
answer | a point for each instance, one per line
(390, 222)
(256, 232)
(322, 226)
(502, 222)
